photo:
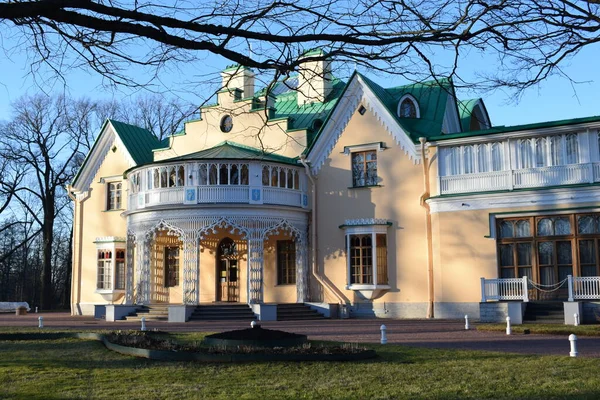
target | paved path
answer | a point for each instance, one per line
(448, 334)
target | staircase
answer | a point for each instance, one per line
(152, 312)
(232, 312)
(296, 312)
(544, 312)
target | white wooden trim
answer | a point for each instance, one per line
(356, 93)
(550, 197)
(412, 100)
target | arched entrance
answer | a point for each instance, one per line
(227, 271)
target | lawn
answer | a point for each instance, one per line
(72, 368)
(544, 329)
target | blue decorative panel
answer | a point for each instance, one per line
(255, 194)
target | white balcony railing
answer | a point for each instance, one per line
(521, 178)
(504, 289)
(584, 288)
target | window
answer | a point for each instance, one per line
(471, 158)
(548, 248)
(364, 168)
(280, 177)
(408, 107)
(104, 269)
(171, 266)
(362, 260)
(286, 262)
(548, 151)
(110, 266)
(113, 201)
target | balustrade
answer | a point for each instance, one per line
(217, 182)
(504, 289)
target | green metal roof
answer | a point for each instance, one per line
(432, 98)
(516, 128)
(465, 111)
(139, 141)
(228, 150)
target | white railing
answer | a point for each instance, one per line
(521, 178)
(551, 176)
(475, 182)
(215, 194)
(282, 196)
(223, 194)
(584, 287)
(504, 289)
(172, 195)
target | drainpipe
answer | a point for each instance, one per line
(313, 235)
(423, 202)
(76, 235)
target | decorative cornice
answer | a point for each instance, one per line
(365, 222)
(110, 239)
(511, 200)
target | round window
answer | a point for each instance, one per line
(226, 123)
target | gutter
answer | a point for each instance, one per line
(423, 202)
(77, 238)
(313, 236)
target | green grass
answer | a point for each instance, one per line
(71, 368)
(547, 329)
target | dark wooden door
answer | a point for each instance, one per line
(227, 272)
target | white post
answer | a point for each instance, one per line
(573, 340)
(483, 299)
(525, 291)
(383, 334)
(570, 286)
(253, 324)
(466, 322)
(143, 324)
(40, 322)
(508, 330)
(36, 310)
(576, 319)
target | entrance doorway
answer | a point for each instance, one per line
(227, 271)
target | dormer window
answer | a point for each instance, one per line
(408, 107)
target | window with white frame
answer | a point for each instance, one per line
(114, 195)
(472, 158)
(548, 151)
(366, 249)
(408, 107)
(110, 264)
(364, 168)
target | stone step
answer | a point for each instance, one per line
(223, 312)
(297, 312)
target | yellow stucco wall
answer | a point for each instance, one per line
(397, 200)
(249, 128)
(97, 222)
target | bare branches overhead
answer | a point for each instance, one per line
(414, 38)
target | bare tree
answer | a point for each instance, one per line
(41, 141)
(531, 38)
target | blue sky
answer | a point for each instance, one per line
(556, 98)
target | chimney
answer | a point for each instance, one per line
(314, 79)
(240, 78)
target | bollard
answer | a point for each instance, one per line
(466, 322)
(36, 310)
(576, 319)
(383, 334)
(508, 329)
(143, 324)
(252, 324)
(573, 340)
(40, 322)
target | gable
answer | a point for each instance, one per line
(132, 142)
(357, 93)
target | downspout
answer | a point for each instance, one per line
(313, 235)
(423, 202)
(76, 232)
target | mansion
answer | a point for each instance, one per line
(351, 198)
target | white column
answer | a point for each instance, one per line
(143, 285)
(129, 271)
(190, 269)
(255, 268)
(302, 268)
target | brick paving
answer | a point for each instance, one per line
(446, 334)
